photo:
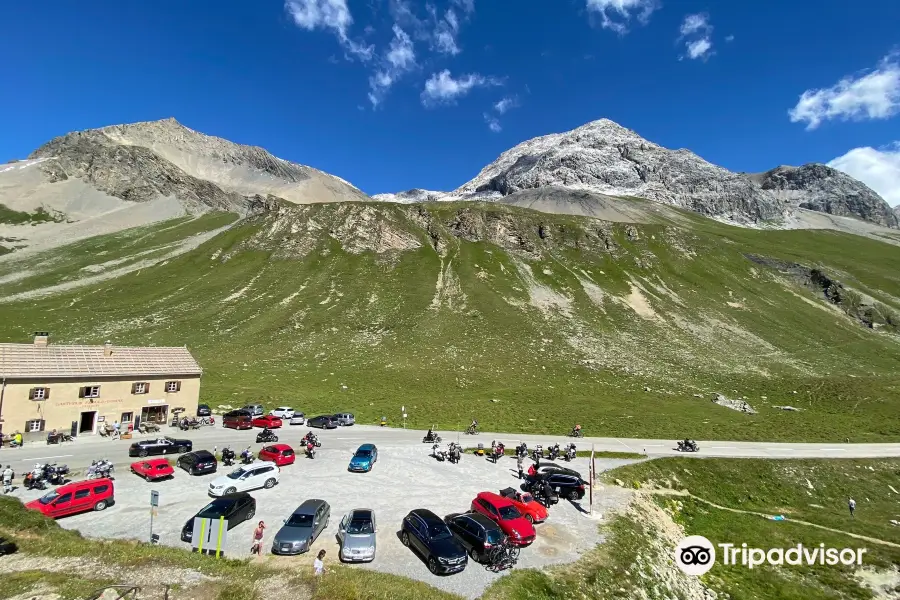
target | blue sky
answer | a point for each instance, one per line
(394, 94)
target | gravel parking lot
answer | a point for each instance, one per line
(405, 477)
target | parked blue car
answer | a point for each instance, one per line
(364, 459)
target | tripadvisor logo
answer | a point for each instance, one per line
(695, 555)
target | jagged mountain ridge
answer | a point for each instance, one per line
(818, 187)
(605, 158)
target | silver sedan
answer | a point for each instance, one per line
(356, 535)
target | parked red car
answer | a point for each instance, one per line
(280, 454)
(502, 511)
(75, 497)
(267, 421)
(533, 510)
(153, 469)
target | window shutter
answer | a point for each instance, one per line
(46, 393)
(31, 394)
(42, 424)
(133, 388)
(81, 392)
(177, 386)
(147, 388)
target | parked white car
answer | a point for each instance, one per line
(282, 412)
(259, 474)
(298, 419)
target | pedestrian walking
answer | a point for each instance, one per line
(258, 534)
(116, 432)
(852, 506)
(319, 563)
(8, 475)
(520, 461)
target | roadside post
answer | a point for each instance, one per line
(154, 506)
(209, 536)
(403, 412)
(591, 474)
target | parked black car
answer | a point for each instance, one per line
(198, 462)
(236, 508)
(565, 482)
(475, 532)
(203, 410)
(323, 422)
(427, 534)
(163, 445)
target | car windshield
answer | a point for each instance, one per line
(298, 520)
(438, 532)
(363, 453)
(49, 497)
(236, 474)
(360, 526)
(216, 508)
(494, 536)
(509, 512)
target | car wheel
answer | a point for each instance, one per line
(270, 483)
(404, 539)
(432, 566)
(100, 505)
(142, 453)
(147, 478)
(181, 449)
(251, 513)
(192, 471)
(473, 555)
(231, 490)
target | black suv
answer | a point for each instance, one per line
(203, 410)
(565, 482)
(198, 462)
(236, 508)
(475, 532)
(427, 534)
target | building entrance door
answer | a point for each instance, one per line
(86, 425)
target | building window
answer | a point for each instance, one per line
(173, 386)
(39, 393)
(90, 391)
(140, 388)
(34, 425)
(127, 417)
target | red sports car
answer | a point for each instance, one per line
(155, 468)
(502, 511)
(533, 510)
(280, 454)
(267, 421)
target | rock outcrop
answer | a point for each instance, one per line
(822, 188)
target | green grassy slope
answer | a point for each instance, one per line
(524, 320)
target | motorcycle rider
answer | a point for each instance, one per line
(247, 456)
(310, 449)
(8, 475)
(577, 430)
(474, 425)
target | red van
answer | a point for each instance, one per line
(75, 497)
(238, 419)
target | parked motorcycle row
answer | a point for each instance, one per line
(43, 475)
(537, 454)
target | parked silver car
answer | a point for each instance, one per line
(254, 409)
(345, 418)
(356, 535)
(302, 528)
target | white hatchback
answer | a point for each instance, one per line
(260, 474)
(282, 412)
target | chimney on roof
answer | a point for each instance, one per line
(107, 348)
(41, 338)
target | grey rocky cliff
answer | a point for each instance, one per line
(605, 157)
(818, 187)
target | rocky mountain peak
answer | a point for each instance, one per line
(818, 187)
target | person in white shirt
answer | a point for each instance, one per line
(319, 564)
(7, 479)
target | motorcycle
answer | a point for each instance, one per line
(455, 453)
(688, 446)
(227, 456)
(440, 455)
(497, 451)
(522, 450)
(544, 494)
(310, 450)
(204, 421)
(570, 453)
(55, 474)
(553, 452)
(310, 437)
(431, 437)
(246, 456)
(472, 430)
(538, 453)
(34, 482)
(100, 469)
(577, 433)
(266, 437)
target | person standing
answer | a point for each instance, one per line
(319, 563)
(520, 461)
(258, 534)
(851, 504)
(116, 432)
(8, 475)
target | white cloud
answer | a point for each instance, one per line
(505, 104)
(468, 6)
(442, 88)
(331, 15)
(729, 38)
(617, 14)
(493, 123)
(399, 59)
(872, 94)
(445, 33)
(696, 32)
(878, 169)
